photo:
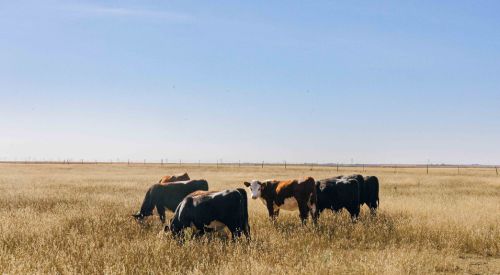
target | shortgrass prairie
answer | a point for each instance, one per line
(76, 219)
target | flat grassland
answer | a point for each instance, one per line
(76, 219)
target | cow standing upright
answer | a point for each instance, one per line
(211, 210)
(287, 195)
(335, 194)
(167, 196)
(368, 190)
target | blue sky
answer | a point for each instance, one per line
(316, 81)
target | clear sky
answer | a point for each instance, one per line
(302, 81)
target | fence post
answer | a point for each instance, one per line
(496, 168)
(285, 164)
(337, 166)
(217, 163)
(180, 163)
(427, 169)
(161, 162)
(262, 164)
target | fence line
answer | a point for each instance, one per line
(285, 164)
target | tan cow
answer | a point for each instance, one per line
(173, 178)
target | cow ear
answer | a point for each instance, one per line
(247, 184)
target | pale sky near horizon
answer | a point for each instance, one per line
(315, 81)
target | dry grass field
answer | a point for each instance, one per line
(76, 219)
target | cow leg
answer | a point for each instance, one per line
(314, 213)
(354, 211)
(313, 207)
(235, 231)
(318, 213)
(276, 213)
(199, 230)
(198, 234)
(244, 228)
(303, 212)
(354, 216)
(161, 212)
(273, 214)
(246, 231)
(236, 234)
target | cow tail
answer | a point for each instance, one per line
(376, 191)
(244, 207)
(313, 201)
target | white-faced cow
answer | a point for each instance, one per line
(287, 195)
(206, 211)
(335, 194)
(167, 196)
(174, 178)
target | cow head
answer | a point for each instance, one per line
(256, 188)
(139, 217)
(174, 228)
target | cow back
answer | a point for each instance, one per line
(173, 178)
(336, 193)
(173, 193)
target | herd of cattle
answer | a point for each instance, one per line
(206, 211)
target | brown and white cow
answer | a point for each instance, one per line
(288, 195)
(174, 178)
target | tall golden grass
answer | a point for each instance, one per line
(76, 219)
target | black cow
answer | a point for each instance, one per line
(167, 196)
(368, 190)
(335, 194)
(207, 211)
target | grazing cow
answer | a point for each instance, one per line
(174, 178)
(167, 196)
(368, 191)
(212, 210)
(287, 195)
(336, 194)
